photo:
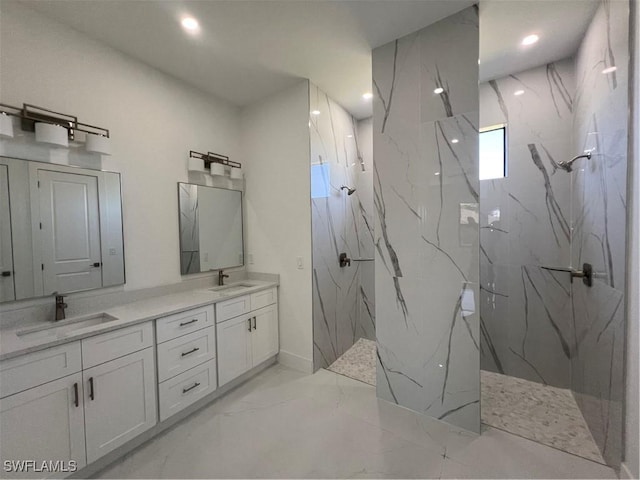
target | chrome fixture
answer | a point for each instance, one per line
(566, 166)
(362, 259)
(214, 163)
(586, 274)
(55, 128)
(350, 191)
(344, 260)
(60, 307)
(221, 277)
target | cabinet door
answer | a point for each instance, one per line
(264, 337)
(120, 401)
(44, 423)
(234, 348)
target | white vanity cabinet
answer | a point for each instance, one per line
(247, 339)
(186, 358)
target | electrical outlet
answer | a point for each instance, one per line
(299, 263)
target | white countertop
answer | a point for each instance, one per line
(12, 345)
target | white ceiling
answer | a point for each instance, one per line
(560, 24)
(249, 49)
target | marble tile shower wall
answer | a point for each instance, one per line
(340, 223)
(525, 224)
(599, 225)
(426, 197)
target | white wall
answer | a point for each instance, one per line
(154, 121)
(275, 150)
(631, 467)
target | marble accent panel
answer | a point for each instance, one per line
(189, 229)
(599, 224)
(426, 196)
(340, 223)
(525, 225)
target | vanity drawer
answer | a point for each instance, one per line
(33, 369)
(232, 308)
(182, 390)
(263, 298)
(182, 353)
(179, 324)
(115, 344)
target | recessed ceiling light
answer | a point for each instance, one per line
(190, 24)
(437, 173)
(530, 39)
(455, 140)
(349, 136)
(518, 92)
(315, 112)
(367, 96)
(609, 70)
(438, 90)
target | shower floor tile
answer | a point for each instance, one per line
(359, 362)
(548, 415)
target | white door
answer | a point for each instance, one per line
(264, 337)
(70, 231)
(234, 348)
(44, 423)
(7, 287)
(120, 401)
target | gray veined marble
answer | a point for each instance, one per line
(426, 197)
(342, 296)
(189, 230)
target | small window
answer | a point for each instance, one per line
(493, 148)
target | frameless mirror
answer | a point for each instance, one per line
(60, 229)
(211, 236)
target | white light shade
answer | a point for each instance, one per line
(217, 169)
(53, 134)
(196, 165)
(6, 126)
(98, 144)
(236, 173)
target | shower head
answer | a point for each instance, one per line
(349, 190)
(566, 166)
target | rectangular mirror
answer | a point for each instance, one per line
(211, 236)
(60, 229)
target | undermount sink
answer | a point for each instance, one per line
(64, 328)
(234, 287)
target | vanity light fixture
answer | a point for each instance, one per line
(367, 95)
(54, 128)
(517, 93)
(6, 126)
(530, 39)
(609, 70)
(438, 90)
(214, 163)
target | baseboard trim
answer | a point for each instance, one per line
(625, 472)
(296, 362)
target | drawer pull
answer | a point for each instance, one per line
(189, 322)
(255, 326)
(195, 349)
(249, 320)
(185, 390)
(76, 399)
(91, 392)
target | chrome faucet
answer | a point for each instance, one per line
(60, 307)
(221, 277)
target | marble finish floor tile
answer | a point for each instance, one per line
(285, 424)
(542, 413)
(359, 362)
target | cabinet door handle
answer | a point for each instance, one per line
(195, 349)
(91, 392)
(185, 390)
(249, 320)
(255, 325)
(189, 322)
(76, 399)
